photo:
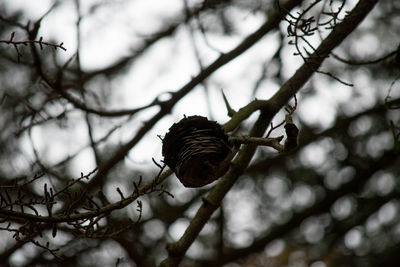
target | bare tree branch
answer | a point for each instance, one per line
(177, 250)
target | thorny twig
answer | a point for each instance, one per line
(230, 110)
(274, 142)
(47, 248)
(300, 28)
(290, 110)
(40, 42)
(364, 62)
(389, 92)
(86, 220)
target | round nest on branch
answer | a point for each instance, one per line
(197, 150)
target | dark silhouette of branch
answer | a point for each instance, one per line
(355, 185)
(364, 62)
(343, 162)
(57, 218)
(152, 39)
(167, 106)
(177, 250)
(39, 42)
(309, 135)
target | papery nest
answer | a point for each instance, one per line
(197, 150)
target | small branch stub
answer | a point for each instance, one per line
(197, 150)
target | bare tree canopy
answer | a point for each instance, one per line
(200, 133)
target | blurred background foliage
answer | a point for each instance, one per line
(334, 201)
